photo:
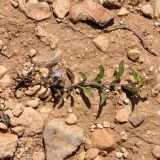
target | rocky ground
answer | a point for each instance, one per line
(36, 34)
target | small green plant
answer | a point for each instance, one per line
(56, 82)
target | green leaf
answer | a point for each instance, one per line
(83, 75)
(119, 73)
(99, 77)
(87, 91)
(121, 69)
(138, 78)
(103, 98)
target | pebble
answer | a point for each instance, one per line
(32, 52)
(123, 114)
(123, 136)
(60, 139)
(106, 124)
(37, 10)
(91, 153)
(147, 10)
(119, 154)
(18, 109)
(14, 3)
(5, 81)
(123, 12)
(136, 119)
(103, 140)
(156, 151)
(48, 59)
(61, 8)
(19, 130)
(8, 143)
(133, 54)
(3, 127)
(3, 70)
(101, 43)
(71, 119)
(85, 10)
(34, 102)
(156, 24)
(99, 125)
(32, 121)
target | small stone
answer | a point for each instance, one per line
(18, 130)
(125, 154)
(91, 153)
(5, 81)
(123, 114)
(14, 3)
(32, 53)
(136, 119)
(126, 101)
(156, 151)
(123, 12)
(156, 24)
(61, 8)
(90, 10)
(32, 121)
(48, 59)
(99, 125)
(33, 102)
(93, 126)
(44, 71)
(37, 10)
(3, 70)
(119, 154)
(71, 119)
(147, 10)
(133, 54)
(106, 124)
(39, 155)
(3, 127)
(8, 145)
(102, 139)
(61, 140)
(14, 121)
(123, 136)
(18, 109)
(123, 150)
(9, 113)
(101, 43)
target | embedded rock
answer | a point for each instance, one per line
(61, 140)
